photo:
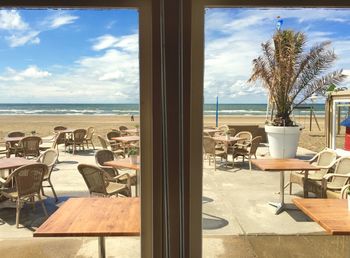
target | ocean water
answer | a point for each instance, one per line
(133, 109)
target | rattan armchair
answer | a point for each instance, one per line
(100, 183)
(104, 144)
(244, 141)
(11, 146)
(77, 140)
(29, 147)
(88, 137)
(324, 160)
(49, 158)
(122, 129)
(210, 151)
(102, 156)
(28, 180)
(110, 135)
(247, 152)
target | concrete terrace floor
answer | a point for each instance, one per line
(237, 221)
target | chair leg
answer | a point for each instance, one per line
(250, 163)
(53, 190)
(42, 204)
(18, 210)
(214, 163)
(290, 188)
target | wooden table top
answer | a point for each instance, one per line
(13, 139)
(331, 214)
(126, 139)
(123, 163)
(93, 217)
(283, 164)
(224, 139)
(15, 162)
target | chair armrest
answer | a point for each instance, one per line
(344, 191)
(329, 176)
(128, 181)
(2, 181)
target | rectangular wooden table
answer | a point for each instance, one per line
(127, 139)
(94, 217)
(13, 163)
(282, 165)
(229, 140)
(331, 214)
(125, 163)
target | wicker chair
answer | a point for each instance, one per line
(334, 182)
(324, 159)
(101, 183)
(110, 135)
(88, 137)
(245, 141)
(29, 147)
(77, 140)
(122, 129)
(210, 151)
(247, 153)
(104, 144)
(28, 180)
(102, 156)
(13, 146)
(49, 158)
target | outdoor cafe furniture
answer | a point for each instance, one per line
(49, 157)
(126, 141)
(88, 137)
(94, 217)
(209, 144)
(112, 134)
(282, 165)
(247, 153)
(77, 140)
(100, 183)
(331, 214)
(332, 182)
(126, 164)
(122, 129)
(245, 139)
(59, 128)
(12, 140)
(104, 144)
(14, 162)
(28, 180)
(28, 147)
(324, 160)
(102, 156)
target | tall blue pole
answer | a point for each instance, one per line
(217, 111)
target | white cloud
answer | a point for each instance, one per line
(103, 42)
(32, 72)
(62, 19)
(127, 42)
(21, 39)
(11, 20)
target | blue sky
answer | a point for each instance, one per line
(91, 56)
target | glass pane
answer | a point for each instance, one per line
(71, 78)
(262, 84)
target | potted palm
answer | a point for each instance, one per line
(133, 153)
(291, 75)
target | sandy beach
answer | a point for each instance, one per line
(44, 124)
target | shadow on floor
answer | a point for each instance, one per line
(211, 222)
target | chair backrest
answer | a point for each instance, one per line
(246, 137)
(89, 133)
(94, 178)
(123, 128)
(29, 178)
(208, 145)
(49, 158)
(15, 134)
(326, 158)
(79, 135)
(59, 128)
(113, 134)
(101, 156)
(60, 138)
(103, 142)
(255, 144)
(342, 167)
(30, 146)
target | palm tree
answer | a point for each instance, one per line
(292, 75)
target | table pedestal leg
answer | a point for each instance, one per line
(101, 247)
(280, 206)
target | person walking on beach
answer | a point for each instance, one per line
(132, 117)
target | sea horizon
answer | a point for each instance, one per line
(128, 109)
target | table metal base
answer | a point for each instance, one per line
(101, 247)
(280, 206)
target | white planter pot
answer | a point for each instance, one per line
(133, 159)
(283, 141)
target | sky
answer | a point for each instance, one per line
(91, 56)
